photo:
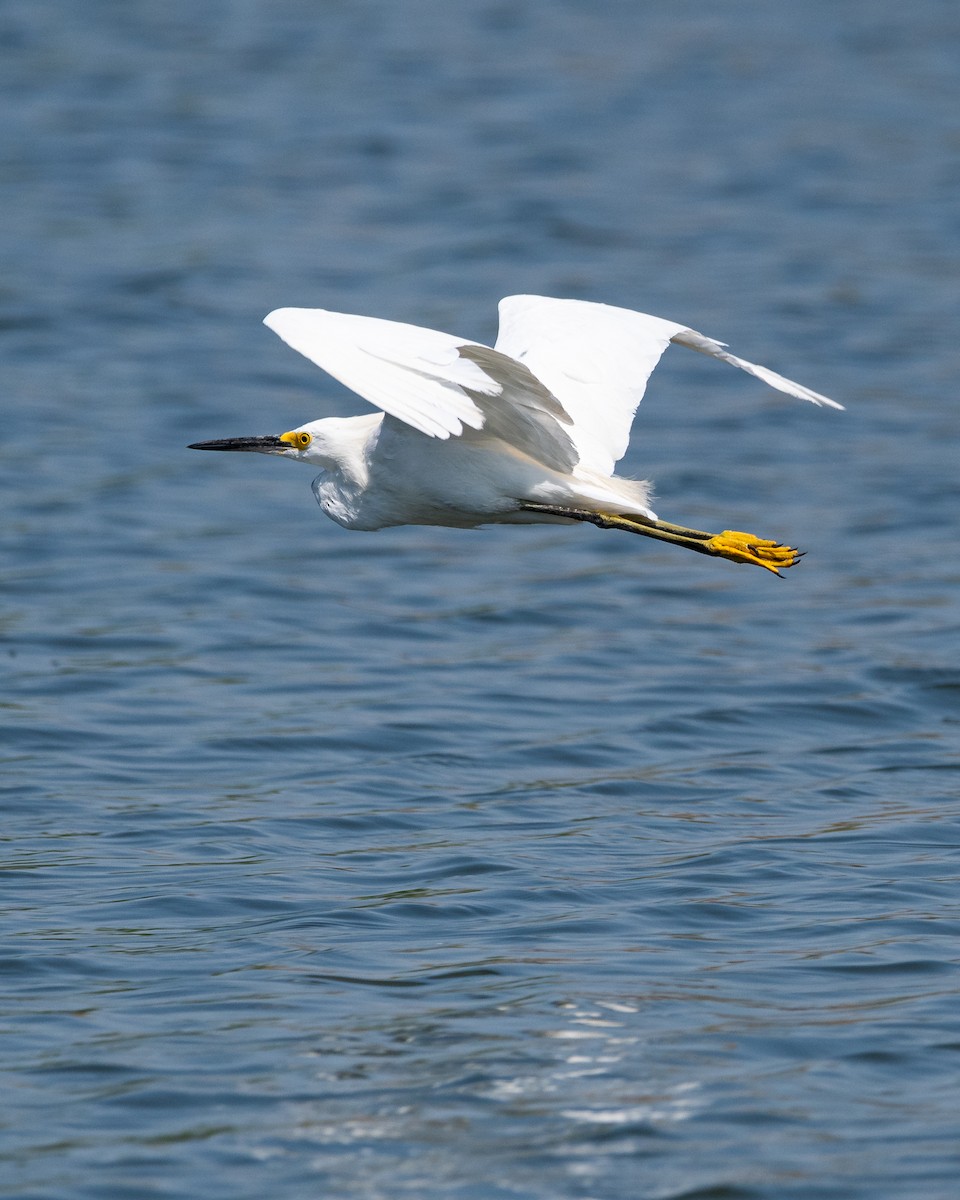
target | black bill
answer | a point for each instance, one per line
(264, 445)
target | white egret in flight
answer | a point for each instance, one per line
(529, 431)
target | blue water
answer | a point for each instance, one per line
(524, 863)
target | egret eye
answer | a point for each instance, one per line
(298, 439)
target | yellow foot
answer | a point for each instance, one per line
(745, 548)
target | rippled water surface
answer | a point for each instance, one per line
(523, 863)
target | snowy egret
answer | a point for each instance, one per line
(528, 431)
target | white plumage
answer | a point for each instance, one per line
(529, 430)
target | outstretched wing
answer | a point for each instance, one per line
(597, 359)
(439, 384)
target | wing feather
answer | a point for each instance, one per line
(596, 360)
(434, 382)
(525, 414)
(416, 375)
(704, 345)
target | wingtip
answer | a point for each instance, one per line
(816, 398)
(273, 317)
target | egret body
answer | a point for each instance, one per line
(528, 431)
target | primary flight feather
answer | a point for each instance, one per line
(529, 430)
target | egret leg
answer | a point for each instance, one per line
(731, 543)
